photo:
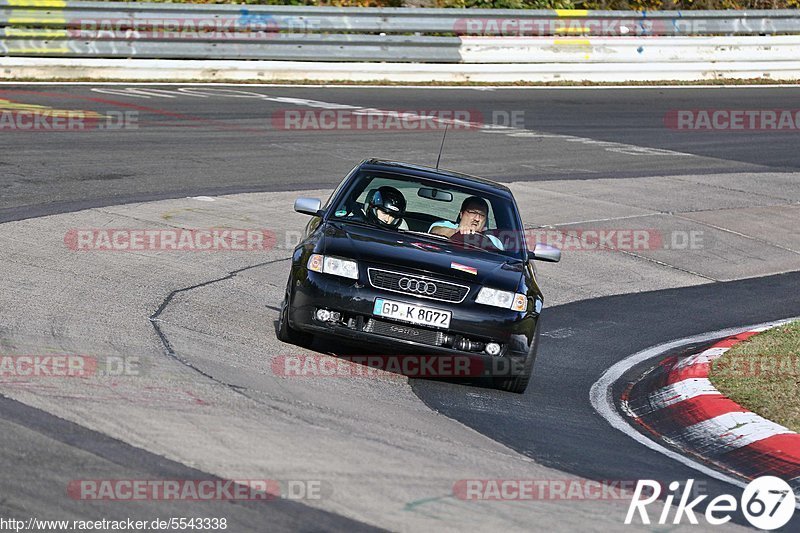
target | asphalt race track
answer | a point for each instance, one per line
(555, 422)
(228, 144)
(210, 406)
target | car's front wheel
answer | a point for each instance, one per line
(286, 332)
(519, 382)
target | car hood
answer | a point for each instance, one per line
(408, 252)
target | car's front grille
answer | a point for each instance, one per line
(418, 286)
(401, 331)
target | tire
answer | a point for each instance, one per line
(519, 383)
(287, 333)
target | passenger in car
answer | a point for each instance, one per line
(385, 207)
(471, 220)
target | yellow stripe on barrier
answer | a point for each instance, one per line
(21, 18)
(36, 3)
(38, 51)
(41, 34)
(573, 30)
(572, 12)
(572, 42)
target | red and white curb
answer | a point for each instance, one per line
(679, 407)
(677, 403)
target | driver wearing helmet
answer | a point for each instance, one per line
(385, 207)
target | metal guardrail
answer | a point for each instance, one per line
(57, 28)
(290, 46)
(614, 50)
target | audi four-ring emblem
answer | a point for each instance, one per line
(418, 286)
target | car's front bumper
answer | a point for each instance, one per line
(310, 291)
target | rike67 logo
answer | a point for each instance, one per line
(767, 503)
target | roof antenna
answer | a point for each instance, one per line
(442, 146)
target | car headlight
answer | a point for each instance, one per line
(336, 266)
(504, 299)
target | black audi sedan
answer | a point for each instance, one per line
(419, 260)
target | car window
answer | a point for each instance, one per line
(339, 187)
(422, 212)
(418, 205)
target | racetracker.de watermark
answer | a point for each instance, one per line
(733, 120)
(754, 365)
(59, 365)
(197, 490)
(66, 121)
(169, 240)
(619, 239)
(543, 489)
(569, 239)
(249, 28)
(14, 367)
(247, 25)
(564, 26)
(383, 366)
(394, 120)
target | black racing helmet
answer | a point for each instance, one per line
(390, 201)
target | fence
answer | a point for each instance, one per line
(55, 28)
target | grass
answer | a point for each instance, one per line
(763, 374)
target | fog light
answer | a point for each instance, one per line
(323, 315)
(493, 348)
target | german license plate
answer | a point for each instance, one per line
(414, 314)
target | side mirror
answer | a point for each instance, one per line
(545, 252)
(308, 206)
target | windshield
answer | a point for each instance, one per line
(459, 216)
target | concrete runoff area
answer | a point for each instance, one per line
(217, 405)
(62, 449)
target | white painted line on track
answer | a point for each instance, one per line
(601, 396)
